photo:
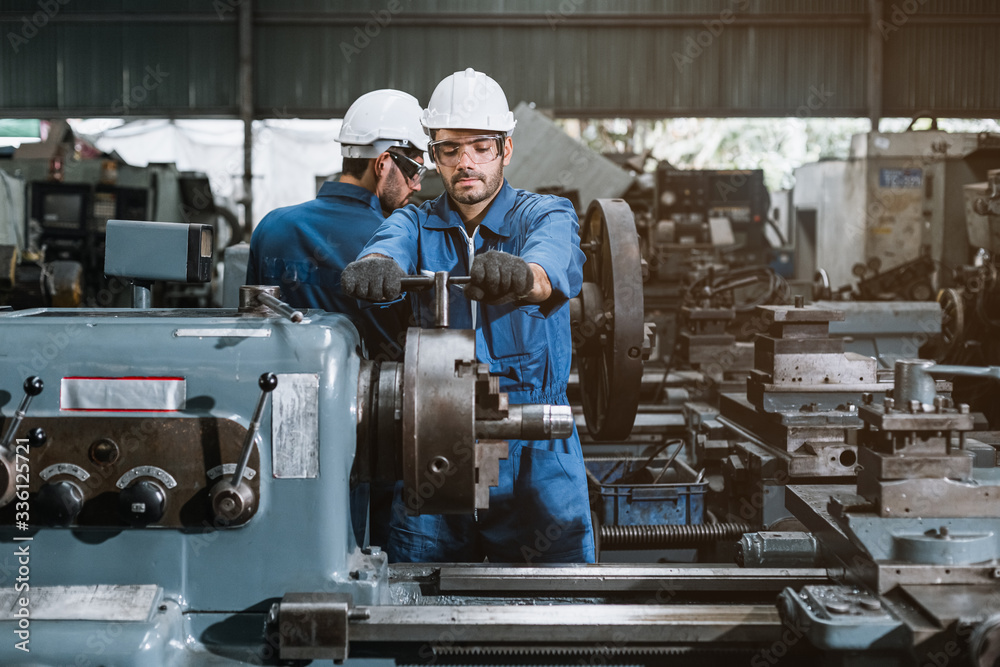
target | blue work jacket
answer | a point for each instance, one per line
(304, 248)
(528, 346)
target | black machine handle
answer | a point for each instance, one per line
(32, 387)
(267, 383)
(439, 281)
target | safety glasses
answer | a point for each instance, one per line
(481, 149)
(412, 170)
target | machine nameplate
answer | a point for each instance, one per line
(132, 603)
(222, 333)
(295, 426)
(125, 394)
(900, 178)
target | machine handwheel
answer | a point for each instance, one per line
(610, 334)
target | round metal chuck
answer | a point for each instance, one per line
(232, 503)
(143, 502)
(60, 502)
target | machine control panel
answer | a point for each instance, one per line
(117, 472)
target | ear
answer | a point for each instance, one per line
(380, 165)
(508, 150)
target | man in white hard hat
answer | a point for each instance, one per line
(522, 252)
(304, 248)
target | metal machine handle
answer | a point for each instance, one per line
(233, 501)
(32, 387)
(439, 281)
(267, 383)
(970, 371)
(280, 307)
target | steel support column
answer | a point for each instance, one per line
(875, 42)
(246, 110)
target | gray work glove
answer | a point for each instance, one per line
(372, 279)
(498, 277)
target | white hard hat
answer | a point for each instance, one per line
(381, 119)
(468, 100)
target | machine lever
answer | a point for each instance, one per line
(439, 281)
(418, 282)
(280, 307)
(968, 371)
(232, 499)
(32, 387)
(267, 382)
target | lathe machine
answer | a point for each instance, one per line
(176, 491)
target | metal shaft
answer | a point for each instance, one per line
(529, 422)
(251, 434)
(439, 281)
(141, 295)
(967, 371)
(441, 299)
(280, 307)
(670, 536)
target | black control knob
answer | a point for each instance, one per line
(267, 382)
(33, 385)
(59, 502)
(37, 437)
(142, 503)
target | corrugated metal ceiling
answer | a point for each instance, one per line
(577, 57)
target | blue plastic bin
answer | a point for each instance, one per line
(681, 503)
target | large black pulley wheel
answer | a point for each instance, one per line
(608, 332)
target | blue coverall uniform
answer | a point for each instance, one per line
(540, 511)
(303, 249)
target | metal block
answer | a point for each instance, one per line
(488, 455)
(918, 421)
(983, 455)
(820, 369)
(877, 465)
(778, 346)
(812, 398)
(784, 314)
(718, 314)
(932, 498)
(312, 626)
(712, 450)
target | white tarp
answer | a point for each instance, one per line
(288, 155)
(11, 211)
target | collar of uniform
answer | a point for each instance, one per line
(444, 216)
(351, 191)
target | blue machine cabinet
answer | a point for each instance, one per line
(190, 592)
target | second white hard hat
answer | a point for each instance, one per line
(381, 119)
(468, 100)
